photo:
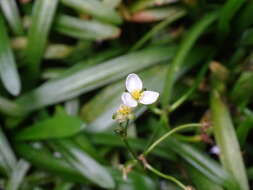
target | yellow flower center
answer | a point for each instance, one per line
(124, 110)
(136, 94)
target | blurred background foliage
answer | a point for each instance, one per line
(62, 70)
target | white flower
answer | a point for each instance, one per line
(136, 93)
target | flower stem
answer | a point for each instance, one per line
(158, 141)
(157, 172)
(124, 139)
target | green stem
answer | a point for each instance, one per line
(157, 142)
(124, 139)
(149, 167)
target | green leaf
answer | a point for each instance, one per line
(175, 14)
(85, 29)
(42, 17)
(82, 162)
(247, 37)
(10, 108)
(8, 71)
(227, 12)
(200, 181)
(244, 20)
(7, 157)
(226, 139)
(11, 13)
(72, 84)
(208, 167)
(47, 162)
(242, 91)
(17, 175)
(95, 8)
(186, 45)
(58, 126)
(243, 130)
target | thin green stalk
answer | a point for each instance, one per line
(171, 178)
(162, 138)
(134, 155)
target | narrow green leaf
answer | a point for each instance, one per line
(208, 167)
(42, 17)
(17, 175)
(85, 29)
(227, 13)
(112, 3)
(244, 18)
(243, 130)
(242, 91)
(8, 159)
(226, 139)
(8, 71)
(95, 8)
(175, 15)
(200, 181)
(82, 162)
(182, 52)
(72, 84)
(247, 37)
(11, 13)
(47, 162)
(59, 126)
(10, 108)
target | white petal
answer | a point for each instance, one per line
(133, 82)
(128, 100)
(149, 97)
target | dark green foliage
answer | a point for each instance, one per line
(63, 65)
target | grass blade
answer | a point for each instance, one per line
(11, 13)
(8, 71)
(94, 8)
(61, 125)
(200, 181)
(182, 52)
(72, 84)
(6, 153)
(47, 162)
(17, 175)
(42, 17)
(85, 164)
(173, 17)
(84, 29)
(208, 167)
(227, 13)
(10, 108)
(226, 139)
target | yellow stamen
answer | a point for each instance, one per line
(124, 110)
(136, 94)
